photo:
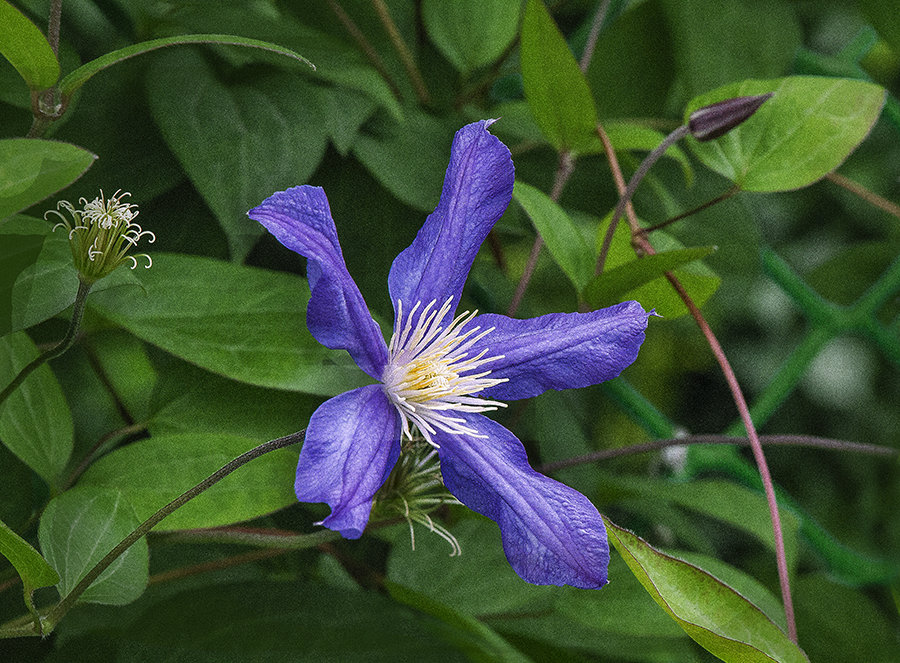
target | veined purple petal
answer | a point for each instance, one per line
(477, 190)
(351, 446)
(552, 534)
(337, 315)
(560, 350)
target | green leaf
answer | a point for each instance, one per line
(700, 281)
(610, 287)
(563, 239)
(70, 84)
(153, 472)
(635, 137)
(714, 615)
(238, 143)
(78, 528)
(471, 33)
(882, 14)
(32, 169)
(17, 252)
(28, 563)
(480, 642)
(797, 137)
(555, 87)
(35, 421)
(409, 158)
(241, 322)
(26, 49)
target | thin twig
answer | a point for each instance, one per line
(869, 196)
(409, 63)
(767, 440)
(364, 45)
(643, 247)
(732, 190)
(599, 18)
(218, 565)
(61, 608)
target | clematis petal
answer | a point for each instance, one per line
(352, 443)
(337, 315)
(560, 350)
(552, 534)
(477, 189)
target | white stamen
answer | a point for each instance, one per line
(430, 375)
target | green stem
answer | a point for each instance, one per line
(250, 537)
(61, 608)
(67, 341)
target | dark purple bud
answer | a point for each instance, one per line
(718, 119)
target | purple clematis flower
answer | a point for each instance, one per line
(440, 371)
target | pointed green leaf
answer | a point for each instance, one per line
(35, 421)
(719, 619)
(32, 169)
(153, 472)
(471, 33)
(24, 45)
(801, 134)
(555, 87)
(241, 322)
(28, 563)
(611, 286)
(237, 142)
(562, 237)
(78, 528)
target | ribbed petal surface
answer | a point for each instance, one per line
(560, 350)
(337, 315)
(352, 443)
(552, 534)
(477, 190)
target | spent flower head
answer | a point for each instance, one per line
(101, 232)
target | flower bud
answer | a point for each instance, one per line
(101, 233)
(718, 119)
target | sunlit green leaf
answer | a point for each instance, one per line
(78, 528)
(713, 614)
(471, 33)
(555, 87)
(802, 133)
(35, 422)
(23, 44)
(563, 239)
(32, 169)
(153, 472)
(241, 322)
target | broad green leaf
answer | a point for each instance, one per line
(28, 563)
(798, 136)
(35, 422)
(265, 620)
(610, 287)
(714, 615)
(17, 251)
(699, 281)
(73, 81)
(32, 169)
(78, 528)
(123, 361)
(471, 33)
(152, 472)
(719, 41)
(562, 237)
(23, 44)
(409, 158)
(479, 641)
(555, 87)
(268, 134)
(241, 322)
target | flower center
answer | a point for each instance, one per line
(430, 374)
